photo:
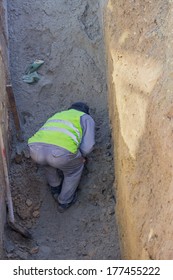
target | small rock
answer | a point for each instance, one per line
(22, 213)
(34, 250)
(108, 154)
(108, 146)
(109, 159)
(15, 198)
(103, 189)
(103, 179)
(36, 214)
(28, 202)
(111, 211)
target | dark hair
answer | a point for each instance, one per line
(80, 106)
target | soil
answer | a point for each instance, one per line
(138, 43)
(68, 36)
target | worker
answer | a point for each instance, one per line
(63, 143)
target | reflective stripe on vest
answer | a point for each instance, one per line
(62, 129)
(68, 124)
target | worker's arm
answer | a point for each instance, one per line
(88, 138)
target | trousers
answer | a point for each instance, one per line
(54, 158)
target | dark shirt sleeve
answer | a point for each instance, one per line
(88, 138)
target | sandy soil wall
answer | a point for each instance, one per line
(3, 112)
(139, 51)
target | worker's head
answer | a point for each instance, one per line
(80, 106)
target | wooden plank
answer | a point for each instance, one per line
(14, 111)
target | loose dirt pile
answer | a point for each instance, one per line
(68, 36)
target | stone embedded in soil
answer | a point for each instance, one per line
(36, 214)
(108, 146)
(111, 211)
(28, 202)
(22, 213)
(34, 250)
(108, 154)
(104, 179)
(109, 158)
(15, 198)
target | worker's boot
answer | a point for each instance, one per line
(55, 191)
(63, 207)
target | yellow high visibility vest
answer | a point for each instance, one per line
(62, 129)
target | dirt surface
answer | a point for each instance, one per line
(67, 35)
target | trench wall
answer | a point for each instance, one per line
(3, 111)
(139, 38)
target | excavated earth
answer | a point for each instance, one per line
(68, 36)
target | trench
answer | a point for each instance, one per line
(68, 37)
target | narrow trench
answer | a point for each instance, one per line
(68, 36)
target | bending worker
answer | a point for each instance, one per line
(62, 143)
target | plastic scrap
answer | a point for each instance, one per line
(31, 76)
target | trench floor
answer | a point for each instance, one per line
(67, 35)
